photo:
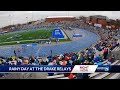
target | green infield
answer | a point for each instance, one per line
(27, 37)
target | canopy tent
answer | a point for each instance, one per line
(25, 45)
(98, 25)
(77, 35)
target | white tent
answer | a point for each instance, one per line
(97, 25)
(108, 26)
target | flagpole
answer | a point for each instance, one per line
(27, 22)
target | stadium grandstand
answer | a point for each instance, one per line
(59, 18)
(95, 47)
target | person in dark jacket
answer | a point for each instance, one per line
(79, 76)
(14, 52)
(85, 76)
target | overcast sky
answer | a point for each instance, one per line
(15, 17)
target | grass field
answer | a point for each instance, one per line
(27, 37)
(38, 34)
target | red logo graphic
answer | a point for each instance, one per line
(84, 68)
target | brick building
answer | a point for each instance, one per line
(99, 19)
(59, 18)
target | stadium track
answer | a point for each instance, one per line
(73, 46)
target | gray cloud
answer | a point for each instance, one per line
(20, 16)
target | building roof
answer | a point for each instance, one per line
(100, 16)
(61, 17)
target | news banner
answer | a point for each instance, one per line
(60, 69)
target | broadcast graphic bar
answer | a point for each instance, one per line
(61, 69)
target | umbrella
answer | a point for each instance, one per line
(99, 63)
(70, 61)
(96, 59)
(67, 58)
(71, 76)
(64, 63)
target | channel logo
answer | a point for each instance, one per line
(102, 69)
(106, 68)
(84, 68)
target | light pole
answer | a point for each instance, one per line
(11, 21)
(32, 21)
(27, 22)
